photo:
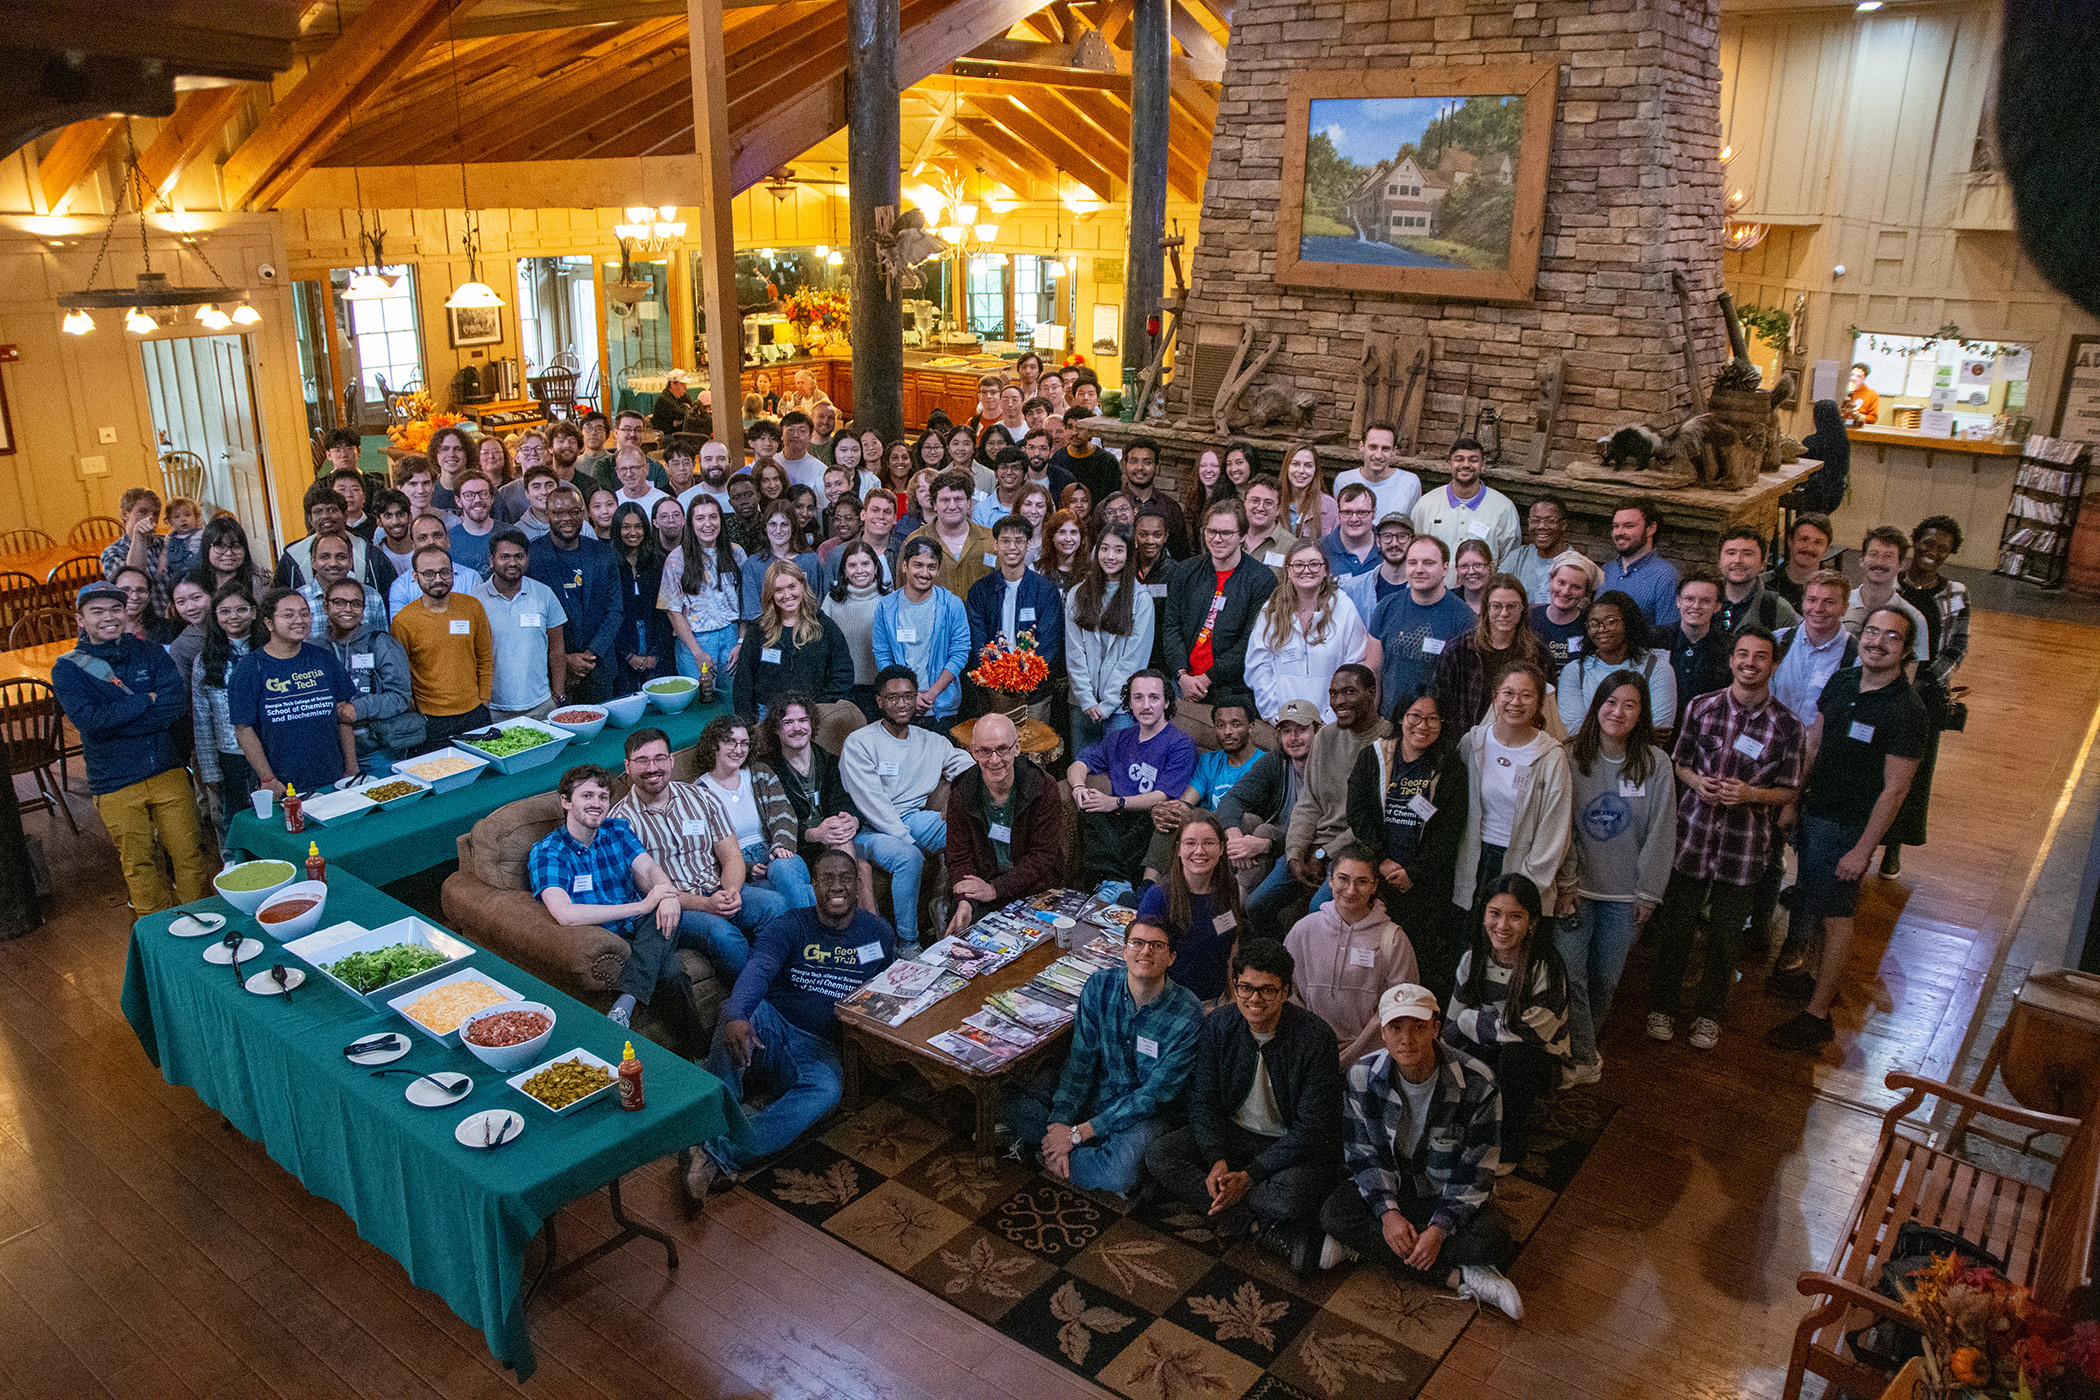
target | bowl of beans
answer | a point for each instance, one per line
(584, 721)
(508, 1036)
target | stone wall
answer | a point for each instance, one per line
(1634, 191)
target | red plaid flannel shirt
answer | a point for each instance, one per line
(1733, 843)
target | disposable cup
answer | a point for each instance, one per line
(263, 798)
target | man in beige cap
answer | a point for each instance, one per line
(1422, 1127)
(672, 405)
(1258, 807)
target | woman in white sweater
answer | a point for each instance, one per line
(1307, 630)
(1519, 798)
(856, 588)
(1108, 638)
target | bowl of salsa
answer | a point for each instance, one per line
(584, 721)
(294, 911)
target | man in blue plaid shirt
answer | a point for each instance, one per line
(1423, 1124)
(586, 871)
(1133, 1048)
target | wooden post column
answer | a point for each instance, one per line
(872, 157)
(1144, 274)
(717, 231)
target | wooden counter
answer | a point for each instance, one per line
(1897, 437)
(952, 390)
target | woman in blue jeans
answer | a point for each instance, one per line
(701, 592)
(758, 810)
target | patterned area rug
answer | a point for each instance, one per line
(1146, 1302)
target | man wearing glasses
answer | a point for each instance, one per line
(475, 500)
(1133, 1046)
(1351, 546)
(451, 651)
(1006, 832)
(1263, 1140)
(1212, 605)
(379, 674)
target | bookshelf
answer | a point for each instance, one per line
(2035, 544)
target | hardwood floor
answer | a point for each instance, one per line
(145, 1250)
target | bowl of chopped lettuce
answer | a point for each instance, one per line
(376, 965)
(672, 694)
(514, 745)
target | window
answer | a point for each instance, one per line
(1392, 189)
(385, 339)
(985, 291)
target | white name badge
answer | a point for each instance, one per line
(1432, 646)
(1027, 614)
(1148, 1047)
(1748, 747)
(1574, 645)
(869, 952)
(991, 561)
(907, 634)
(1421, 807)
(1272, 559)
(1154, 590)
(1003, 834)
(580, 885)
(1224, 922)
(769, 654)
(1629, 788)
(692, 826)
(460, 627)
(531, 620)
(1862, 732)
(1477, 530)
(886, 770)
(362, 662)
(1363, 957)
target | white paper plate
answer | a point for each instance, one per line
(264, 985)
(250, 948)
(197, 925)
(505, 1123)
(425, 1094)
(401, 1046)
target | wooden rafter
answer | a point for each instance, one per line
(1015, 115)
(1059, 57)
(200, 116)
(1008, 146)
(1195, 40)
(77, 150)
(1018, 178)
(1187, 150)
(308, 119)
(942, 114)
(1114, 21)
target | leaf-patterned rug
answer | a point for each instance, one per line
(1146, 1302)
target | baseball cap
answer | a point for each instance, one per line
(1397, 517)
(676, 375)
(1407, 999)
(92, 591)
(1298, 712)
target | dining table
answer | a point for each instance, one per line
(33, 663)
(38, 563)
(459, 1216)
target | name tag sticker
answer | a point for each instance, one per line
(1432, 646)
(1224, 922)
(1362, 957)
(531, 619)
(1748, 747)
(886, 770)
(1148, 1047)
(1272, 559)
(1477, 530)
(362, 662)
(460, 627)
(907, 634)
(1027, 614)
(1002, 833)
(770, 655)
(991, 561)
(1862, 732)
(869, 952)
(1629, 788)
(1421, 807)
(1574, 645)
(691, 826)
(1154, 590)
(580, 885)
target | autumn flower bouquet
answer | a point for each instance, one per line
(1986, 1336)
(1014, 669)
(423, 420)
(819, 315)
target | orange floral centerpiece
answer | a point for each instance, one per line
(1986, 1336)
(414, 435)
(819, 317)
(1012, 669)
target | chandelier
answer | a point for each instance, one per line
(650, 230)
(152, 302)
(1738, 235)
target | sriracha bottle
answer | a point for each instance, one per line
(316, 863)
(294, 809)
(630, 1080)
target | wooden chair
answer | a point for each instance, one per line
(2047, 1053)
(68, 578)
(42, 627)
(183, 474)
(96, 529)
(33, 728)
(23, 540)
(556, 391)
(20, 595)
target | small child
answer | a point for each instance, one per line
(185, 529)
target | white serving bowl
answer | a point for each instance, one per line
(582, 729)
(248, 901)
(672, 702)
(625, 711)
(301, 925)
(508, 1058)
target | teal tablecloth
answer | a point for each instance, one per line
(386, 846)
(457, 1219)
(636, 401)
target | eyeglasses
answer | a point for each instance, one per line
(1865, 633)
(1003, 751)
(1309, 566)
(1423, 721)
(1229, 533)
(1147, 945)
(1254, 993)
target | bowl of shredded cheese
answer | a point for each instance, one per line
(444, 770)
(440, 1008)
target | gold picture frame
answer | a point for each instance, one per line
(1455, 213)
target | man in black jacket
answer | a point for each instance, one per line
(1212, 604)
(1257, 811)
(1262, 1145)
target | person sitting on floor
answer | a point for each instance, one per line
(1006, 832)
(1145, 763)
(588, 870)
(1350, 952)
(1319, 822)
(1510, 1007)
(779, 1034)
(1133, 1048)
(1422, 1121)
(890, 770)
(1265, 1114)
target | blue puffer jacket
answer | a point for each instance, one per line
(126, 699)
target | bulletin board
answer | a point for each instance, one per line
(2078, 402)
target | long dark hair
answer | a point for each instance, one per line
(918, 449)
(222, 530)
(645, 555)
(1640, 744)
(217, 652)
(693, 574)
(839, 586)
(1224, 891)
(1094, 609)
(987, 454)
(1630, 617)
(805, 535)
(1536, 951)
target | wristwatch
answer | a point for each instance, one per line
(1076, 1138)
(1119, 804)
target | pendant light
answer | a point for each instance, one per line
(368, 283)
(832, 255)
(473, 292)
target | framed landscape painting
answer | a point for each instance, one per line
(1424, 182)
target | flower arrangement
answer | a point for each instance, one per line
(1011, 670)
(424, 419)
(1986, 1336)
(1072, 360)
(829, 313)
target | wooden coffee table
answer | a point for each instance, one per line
(871, 1042)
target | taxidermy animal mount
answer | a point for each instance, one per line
(1632, 448)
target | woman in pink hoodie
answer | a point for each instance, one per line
(1349, 952)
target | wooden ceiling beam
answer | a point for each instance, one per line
(1017, 178)
(635, 103)
(1188, 150)
(558, 106)
(1114, 21)
(1008, 146)
(200, 115)
(308, 119)
(974, 75)
(77, 150)
(1059, 57)
(1013, 114)
(1195, 40)
(942, 115)
(1198, 102)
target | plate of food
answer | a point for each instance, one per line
(567, 1082)
(377, 965)
(1114, 914)
(394, 790)
(444, 770)
(514, 745)
(442, 1007)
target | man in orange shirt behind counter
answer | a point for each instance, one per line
(451, 651)
(1862, 405)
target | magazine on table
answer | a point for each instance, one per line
(974, 1048)
(1035, 1014)
(901, 991)
(999, 1028)
(964, 958)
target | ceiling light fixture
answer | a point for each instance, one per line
(78, 323)
(1866, 5)
(831, 253)
(472, 293)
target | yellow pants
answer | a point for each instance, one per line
(159, 810)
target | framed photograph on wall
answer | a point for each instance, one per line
(7, 424)
(2078, 402)
(1421, 182)
(475, 325)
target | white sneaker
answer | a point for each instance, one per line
(1661, 1027)
(1589, 1073)
(1333, 1252)
(1706, 1033)
(1486, 1285)
(700, 1173)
